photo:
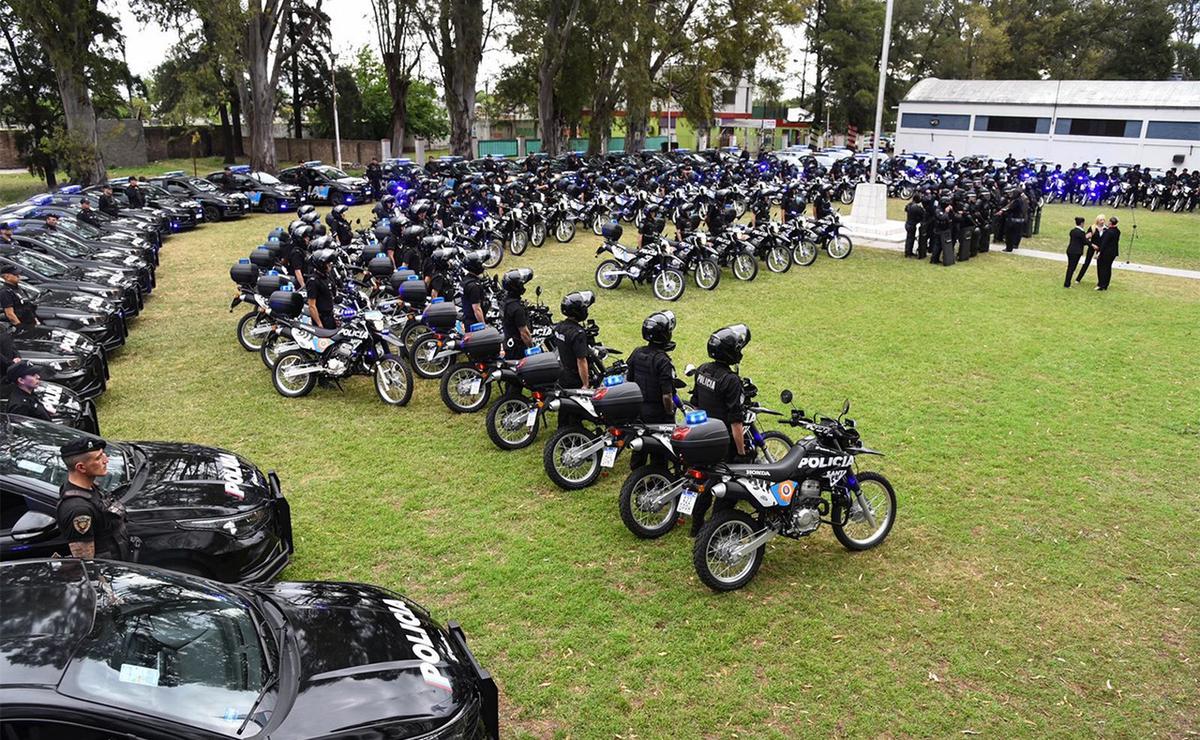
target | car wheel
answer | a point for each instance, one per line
(212, 214)
(269, 205)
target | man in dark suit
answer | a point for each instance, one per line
(1075, 249)
(1110, 242)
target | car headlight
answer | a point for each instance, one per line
(239, 525)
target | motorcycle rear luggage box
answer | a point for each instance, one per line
(483, 344)
(618, 404)
(540, 370)
(381, 267)
(268, 284)
(263, 258)
(287, 303)
(414, 292)
(244, 273)
(399, 276)
(702, 444)
(440, 316)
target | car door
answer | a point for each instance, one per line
(17, 501)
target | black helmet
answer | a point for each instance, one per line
(320, 258)
(441, 257)
(514, 281)
(611, 231)
(303, 231)
(319, 229)
(293, 225)
(306, 208)
(575, 305)
(321, 242)
(657, 329)
(473, 262)
(729, 214)
(340, 210)
(311, 217)
(412, 234)
(726, 345)
(389, 200)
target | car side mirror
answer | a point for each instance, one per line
(33, 525)
(786, 397)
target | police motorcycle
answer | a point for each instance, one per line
(769, 243)
(697, 256)
(481, 234)
(815, 482)
(817, 234)
(736, 251)
(650, 495)
(652, 264)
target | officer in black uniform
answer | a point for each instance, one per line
(571, 342)
(436, 271)
(651, 368)
(375, 177)
(823, 204)
(92, 521)
(339, 226)
(16, 310)
(297, 256)
(1014, 214)
(474, 310)
(107, 203)
(86, 214)
(320, 289)
(719, 392)
(22, 401)
(6, 236)
(135, 194)
(514, 318)
(914, 214)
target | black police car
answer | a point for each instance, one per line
(71, 253)
(99, 319)
(179, 213)
(95, 649)
(196, 509)
(265, 192)
(62, 404)
(40, 269)
(322, 183)
(83, 370)
(217, 206)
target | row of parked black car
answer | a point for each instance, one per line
(196, 639)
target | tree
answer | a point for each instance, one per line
(68, 31)
(456, 34)
(396, 30)
(308, 72)
(559, 19)
(30, 97)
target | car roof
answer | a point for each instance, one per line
(48, 609)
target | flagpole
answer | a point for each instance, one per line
(883, 64)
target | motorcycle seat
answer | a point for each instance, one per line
(781, 470)
(319, 332)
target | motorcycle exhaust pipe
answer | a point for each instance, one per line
(295, 372)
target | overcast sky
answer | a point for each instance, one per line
(352, 27)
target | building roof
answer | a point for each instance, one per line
(1125, 93)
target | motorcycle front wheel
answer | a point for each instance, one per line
(598, 222)
(508, 423)
(537, 234)
(669, 285)
(289, 383)
(707, 275)
(464, 389)
(871, 516)
(774, 446)
(570, 475)
(745, 267)
(564, 231)
(839, 247)
(518, 243)
(641, 514)
(713, 554)
(495, 253)
(393, 381)
(424, 362)
(846, 196)
(605, 274)
(778, 260)
(804, 253)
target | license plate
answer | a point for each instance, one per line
(687, 502)
(609, 457)
(532, 418)
(473, 388)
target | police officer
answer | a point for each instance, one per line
(135, 194)
(86, 214)
(574, 351)
(719, 392)
(22, 401)
(108, 204)
(823, 204)
(375, 177)
(651, 368)
(52, 222)
(1014, 214)
(320, 289)
(16, 310)
(297, 258)
(338, 224)
(513, 318)
(92, 521)
(6, 233)
(474, 310)
(914, 214)
(436, 271)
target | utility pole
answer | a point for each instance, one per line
(337, 130)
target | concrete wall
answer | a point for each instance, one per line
(354, 151)
(1053, 147)
(122, 142)
(10, 155)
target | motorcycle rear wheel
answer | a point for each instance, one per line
(274, 346)
(707, 275)
(570, 477)
(455, 393)
(604, 277)
(507, 423)
(297, 386)
(669, 285)
(646, 521)
(393, 381)
(423, 363)
(710, 554)
(246, 327)
(413, 332)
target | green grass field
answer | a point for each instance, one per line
(1041, 579)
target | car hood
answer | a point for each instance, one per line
(180, 481)
(51, 348)
(65, 339)
(352, 182)
(70, 305)
(366, 658)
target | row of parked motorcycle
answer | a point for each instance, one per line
(77, 277)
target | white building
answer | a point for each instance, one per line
(1156, 124)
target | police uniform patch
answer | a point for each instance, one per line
(82, 523)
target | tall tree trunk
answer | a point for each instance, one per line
(399, 92)
(259, 100)
(637, 85)
(467, 21)
(297, 108)
(226, 133)
(235, 116)
(80, 115)
(547, 119)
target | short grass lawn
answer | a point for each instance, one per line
(1160, 237)
(1041, 579)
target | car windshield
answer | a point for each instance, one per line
(175, 647)
(333, 172)
(202, 184)
(61, 242)
(40, 263)
(30, 448)
(266, 178)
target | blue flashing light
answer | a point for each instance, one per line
(380, 254)
(531, 351)
(695, 417)
(272, 272)
(173, 173)
(241, 169)
(312, 163)
(611, 380)
(286, 288)
(348, 312)
(349, 199)
(439, 299)
(412, 277)
(477, 326)
(243, 261)
(41, 200)
(175, 226)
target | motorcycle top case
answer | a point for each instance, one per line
(414, 292)
(268, 284)
(263, 258)
(286, 302)
(275, 248)
(440, 316)
(539, 371)
(244, 273)
(618, 404)
(381, 267)
(483, 344)
(399, 276)
(702, 444)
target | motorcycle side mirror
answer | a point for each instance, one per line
(33, 525)
(689, 370)
(846, 407)
(785, 397)
(538, 291)
(679, 384)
